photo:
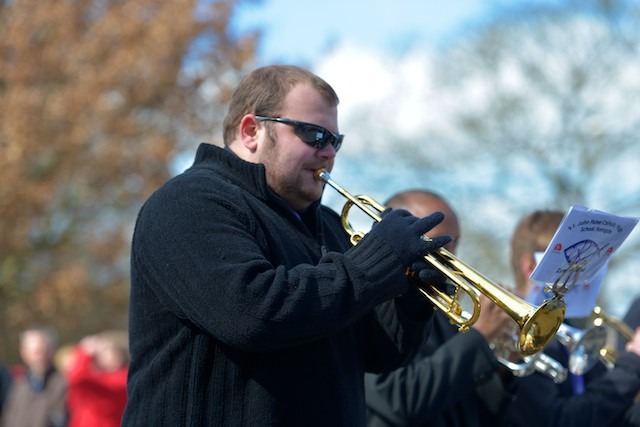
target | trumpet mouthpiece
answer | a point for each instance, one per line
(320, 174)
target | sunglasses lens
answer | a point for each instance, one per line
(317, 136)
(337, 142)
(312, 135)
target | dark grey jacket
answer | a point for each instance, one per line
(607, 395)
(245, 314)
(451, 382)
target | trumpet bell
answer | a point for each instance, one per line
(540, 327)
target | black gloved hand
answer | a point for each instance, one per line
(422, 275)
(404, 232)
(425, 275)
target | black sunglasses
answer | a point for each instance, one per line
(314, 135)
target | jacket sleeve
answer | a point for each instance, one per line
(419, 392)
(394, 335)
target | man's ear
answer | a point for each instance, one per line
(249, 132)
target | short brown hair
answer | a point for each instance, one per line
(533, 234)
(262, 92)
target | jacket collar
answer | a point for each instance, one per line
(250, 177)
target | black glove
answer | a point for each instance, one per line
(425, 275)
(404, 232)
(421, 275)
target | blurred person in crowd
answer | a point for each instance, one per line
(97, 374)
(632, 320)
(598, 398)
(63, 356)
(5, 384)
(249, 306)
(37, 398)
(453, 379)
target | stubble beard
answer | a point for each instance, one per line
(299, 195)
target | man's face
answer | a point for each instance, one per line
(291, 163)
(36, 351)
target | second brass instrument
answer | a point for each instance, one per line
(584, 346)
(608, 354)
(539, 362)
(538, 325)
(504, 348)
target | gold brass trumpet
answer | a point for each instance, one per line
(538, 325)
(608, 355)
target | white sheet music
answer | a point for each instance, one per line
(582, 245)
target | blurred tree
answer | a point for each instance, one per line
(96, 99)
(541, 113)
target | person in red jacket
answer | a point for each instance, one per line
(97, 376)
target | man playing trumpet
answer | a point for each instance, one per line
(249, 306)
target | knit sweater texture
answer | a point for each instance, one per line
(245, 313)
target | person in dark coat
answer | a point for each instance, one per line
(249, 306)
(631, 417)
(453, 380)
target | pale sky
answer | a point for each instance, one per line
(299, 32)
